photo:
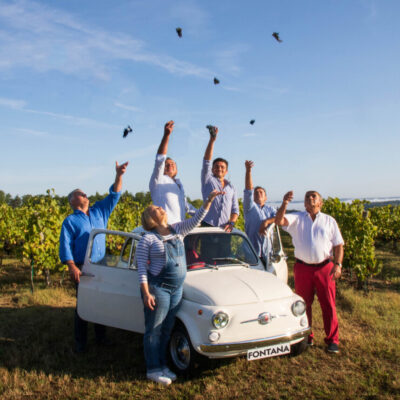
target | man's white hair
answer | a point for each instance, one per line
(71, 196)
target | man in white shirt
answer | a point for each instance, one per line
(167, 190)
(317, 240)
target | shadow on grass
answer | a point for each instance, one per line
(40, 338)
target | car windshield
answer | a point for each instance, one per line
(210, 250)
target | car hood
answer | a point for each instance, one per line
(233, 285)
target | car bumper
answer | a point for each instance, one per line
(238, 348)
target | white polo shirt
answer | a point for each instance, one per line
(313, 240)
(168, 193)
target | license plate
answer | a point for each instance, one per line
(268, 351)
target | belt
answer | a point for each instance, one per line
(321, 264)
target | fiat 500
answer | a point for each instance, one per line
(232, 304)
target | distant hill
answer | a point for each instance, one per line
(383, 203)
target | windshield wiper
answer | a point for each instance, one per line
(236, 260)
(205, 265)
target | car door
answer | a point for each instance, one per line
(276, 262)
(109, 290)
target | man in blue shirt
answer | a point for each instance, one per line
(74, 239)
(257, 214)
(224, 210)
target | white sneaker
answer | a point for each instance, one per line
(169, 374)
(159, 377)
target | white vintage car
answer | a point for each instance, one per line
(232, 304)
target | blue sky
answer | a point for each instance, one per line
(74, 73)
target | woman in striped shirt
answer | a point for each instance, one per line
(162, 270)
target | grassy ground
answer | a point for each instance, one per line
(36, 360)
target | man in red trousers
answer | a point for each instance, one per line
(318, 249)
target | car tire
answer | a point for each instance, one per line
(182, 355)
(298, 348)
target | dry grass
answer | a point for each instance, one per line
(36, 360)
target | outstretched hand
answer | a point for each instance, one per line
(210, 198)
(288, 197)
(169, 127)
(249, 165)
(213, 131)
(120, 169)
(213, 195)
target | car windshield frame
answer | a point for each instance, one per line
(220, 249)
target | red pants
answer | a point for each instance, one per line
(310, 280)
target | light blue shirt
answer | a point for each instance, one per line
(253, 216)
(168, 193)
(223, 206)
(76, 228)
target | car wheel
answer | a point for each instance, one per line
(181, 352)
(298, 348)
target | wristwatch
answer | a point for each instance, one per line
(231, 223)
(337, 263)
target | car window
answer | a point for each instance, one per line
(113, 250)
(218, 249)
(128, 253)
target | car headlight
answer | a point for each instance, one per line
(298, 308)
(220, 319)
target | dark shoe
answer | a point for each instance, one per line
(333, 348)
(310, 342)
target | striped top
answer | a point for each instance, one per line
(150, 252)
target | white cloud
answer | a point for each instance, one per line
(43, 38)
(21, 106)
(127, 107)
(31, 132)
(12, 103)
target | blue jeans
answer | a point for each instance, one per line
(159, 324)
(167, 288)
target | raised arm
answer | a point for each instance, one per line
(280, 219)
(249, 180)
(120, 170)
(184, 227)
(210, 147)
(168, 128)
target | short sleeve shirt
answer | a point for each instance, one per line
(313, 240)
